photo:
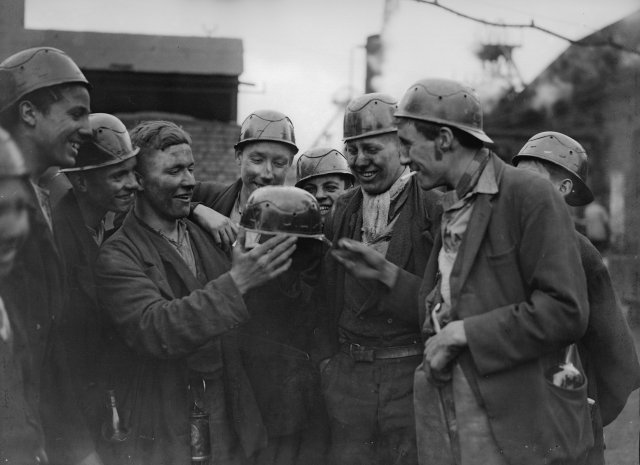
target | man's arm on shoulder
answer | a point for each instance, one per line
(149, 320)
(207, 192)
(556, 310)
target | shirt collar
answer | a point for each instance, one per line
(486, 184)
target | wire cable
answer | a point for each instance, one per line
(586, 42)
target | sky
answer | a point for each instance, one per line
(301, 55)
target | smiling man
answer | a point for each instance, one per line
(264, 152)
(172, 294)
(44, 104)
(324, 173)
(503, 295)
(371, 350)
(273, 345)
(104, 185)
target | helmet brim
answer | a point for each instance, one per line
(580, 195)
(101, 165)
(475, 132)
(241, 144)
(325, 173)
(319, 237)
(370, 134)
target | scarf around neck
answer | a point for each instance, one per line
(375, 208)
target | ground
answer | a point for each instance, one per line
(621, 436)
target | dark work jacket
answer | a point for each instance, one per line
(607, 348)
(21, 438)
(167, 318)
(218, 196)
(518, 284)
(275, 341)
(390, 314)
(37, 286)
(89, 336)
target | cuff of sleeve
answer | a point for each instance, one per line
(192, 207)
(402, 298)
(238, 310)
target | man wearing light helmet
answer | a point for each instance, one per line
(607, 348)
(44, 105)
(274, 341)
(21, 437)
(325, 173)
(370, 338)
(104, 185)
(503, 296)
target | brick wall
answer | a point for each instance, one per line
(212, 143)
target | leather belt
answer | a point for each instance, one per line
(369, 354)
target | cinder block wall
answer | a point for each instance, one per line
(212, 143)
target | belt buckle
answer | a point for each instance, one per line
(360, 354)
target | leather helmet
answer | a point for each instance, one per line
(369, 115)
(283, 210)
(267, 125)
(563, 151)
(319, 161)
(33, 69)
(444, 102)
(109, 144)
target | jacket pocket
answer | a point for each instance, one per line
(571, 421)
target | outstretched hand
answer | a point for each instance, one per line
(365, 263)
(254, 267)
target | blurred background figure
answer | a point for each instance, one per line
(596, 223)
(21, 437)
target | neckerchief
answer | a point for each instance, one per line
(375, 208)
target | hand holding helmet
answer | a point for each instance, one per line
(254, 267)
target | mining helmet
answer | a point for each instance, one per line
(369, 115)
(12, 163)
(319, 161)
(267, 125)
(283, 210)
(109, 144)
(33, 69)
(444, 102)
(563, 151)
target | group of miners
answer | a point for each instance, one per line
(413, 299)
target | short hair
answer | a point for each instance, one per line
(42, 99)
(556, 172)
(156, 135)
(431, 130)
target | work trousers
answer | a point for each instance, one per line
(370, 407)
